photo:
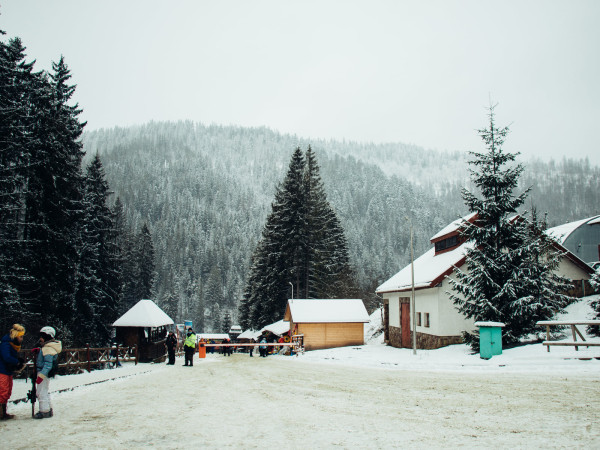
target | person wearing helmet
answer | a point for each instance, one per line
(47, 359)
(9, 363)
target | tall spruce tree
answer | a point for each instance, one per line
(17, 116)
(57, 245)
(509, 276)
(327, 271)
(40, 182)
(302, 244)
(98, 287)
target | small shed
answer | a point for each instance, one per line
(327, 323)
(144, 325)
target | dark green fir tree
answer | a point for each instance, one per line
(510, 264)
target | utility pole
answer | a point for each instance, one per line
(412, 299)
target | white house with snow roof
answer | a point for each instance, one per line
(438, 322)
(327, 323)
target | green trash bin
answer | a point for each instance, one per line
(490, 339)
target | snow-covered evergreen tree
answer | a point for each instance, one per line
(509, 276)
(98, 283)
(17, 115)
(303, 244)
(226, 322)
(327, 271)
(595, 304)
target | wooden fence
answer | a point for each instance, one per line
(75, 360)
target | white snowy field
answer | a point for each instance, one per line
(370, 396)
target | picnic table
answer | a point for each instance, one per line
(574, 330)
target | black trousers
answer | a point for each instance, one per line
(171, 355)
(189, 356)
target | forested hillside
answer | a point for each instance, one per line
(205, 192)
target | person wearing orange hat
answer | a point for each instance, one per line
(10, 345)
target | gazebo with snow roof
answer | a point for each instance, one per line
(144, 325)
(327, 323)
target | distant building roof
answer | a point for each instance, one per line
(326, 311)
(144, 313)
(279, 328)
(429, 268)
(454, 226)
(249, 334)
(562, 232)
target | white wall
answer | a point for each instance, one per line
(567, 269)
(444, 318)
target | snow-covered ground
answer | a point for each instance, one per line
(370, 396)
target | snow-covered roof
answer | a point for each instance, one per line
(489, 324)
(249, 334)
(429, 269)
(454, 226)
(214, 336)
(144, 313)
(326, 311)
(562, 232)
(279, 328)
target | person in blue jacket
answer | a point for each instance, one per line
(9, 363)
(47, 358)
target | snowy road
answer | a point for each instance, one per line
(282, 402)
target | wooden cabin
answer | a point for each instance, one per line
(144, 325)
(327, 323)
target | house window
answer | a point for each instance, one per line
(426, 320)
(418, 319)
(450, 242)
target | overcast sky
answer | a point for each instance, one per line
(419, 72)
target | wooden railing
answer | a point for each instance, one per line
(73, 360)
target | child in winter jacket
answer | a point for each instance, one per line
(48, 354)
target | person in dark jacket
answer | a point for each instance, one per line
(171, 345)
(9, 363)
(262, 348)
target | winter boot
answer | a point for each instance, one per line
(43, 415)
(3, 414)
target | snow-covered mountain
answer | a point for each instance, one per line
(205, 192)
